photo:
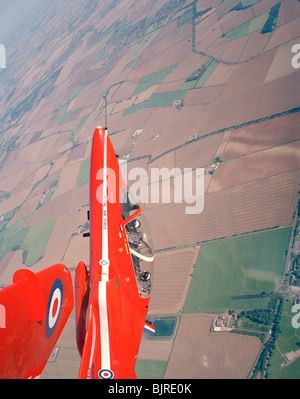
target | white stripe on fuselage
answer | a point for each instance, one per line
(104, 331)
(102, 298)
(105, 259)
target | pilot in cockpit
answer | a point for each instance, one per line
(139, 241)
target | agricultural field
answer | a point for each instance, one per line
(35, 241)
(230, 268)
(147, 369)
(189, 84)
(248, 27)
(171, 279)
(240, 209)
(153, 79)
(206, 355)
(284, 362)
(30, 242)
(84, 172)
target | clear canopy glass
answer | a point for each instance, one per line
(140, 243)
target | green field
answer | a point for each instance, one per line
(63, 112)
(201, 75)
(244, 265)
(150, 369)
(84, 173)
(246, 3)
(186, 17)
(287, 341)
(32, 240)
(36, 240)
(248, 27)
(157, 100)
(153, 79)
(239, 31)
(290, 372)
(80, 125)
(212, 65)
(11, 241)
(11, 237)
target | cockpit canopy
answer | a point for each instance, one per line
(140, 243)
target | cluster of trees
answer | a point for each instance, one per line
(296, 271)
(4, 195)
(260, 316)
(270, 23)
(251, 296)
(200, 13)
(271, 343)
(200, 71)
(239, 7)
(264, 316)
(10, 144)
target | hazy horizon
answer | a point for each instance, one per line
(11, 14)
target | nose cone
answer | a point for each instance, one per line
(98, 146)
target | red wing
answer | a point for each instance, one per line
(33, 312)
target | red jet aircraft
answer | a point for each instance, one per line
(112, 298)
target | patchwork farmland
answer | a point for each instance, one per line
(189, 84)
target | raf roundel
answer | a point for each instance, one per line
(54, 307)
(106, 374)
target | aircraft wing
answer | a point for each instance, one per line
(33, 312)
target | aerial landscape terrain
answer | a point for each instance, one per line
(189, 84)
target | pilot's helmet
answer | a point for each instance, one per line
(134, 224)
(145, 276)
